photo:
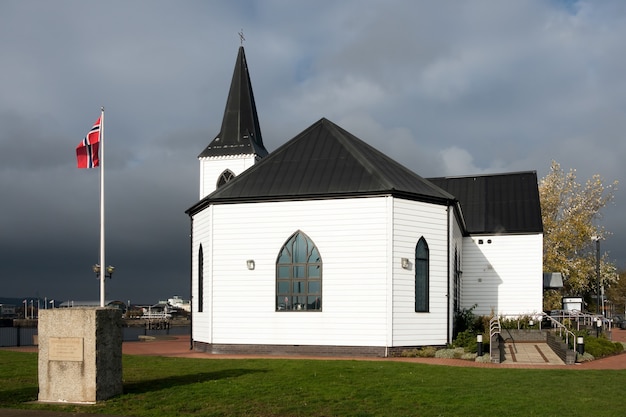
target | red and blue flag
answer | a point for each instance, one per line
(87, 150)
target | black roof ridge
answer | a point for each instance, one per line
(374, 169)
(485, 175)
(341, 137)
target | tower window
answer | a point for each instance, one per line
(225, 177)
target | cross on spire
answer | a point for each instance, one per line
(241, 37)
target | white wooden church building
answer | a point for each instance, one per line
(328, 246)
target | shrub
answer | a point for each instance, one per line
(465, 319)
(424, 352)
(467, 340)
(455, 353)
(522, 322)
(585, 357)
(599, 347)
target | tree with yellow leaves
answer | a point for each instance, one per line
(570, 212)
(617, 294)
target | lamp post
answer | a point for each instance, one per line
(597, 239)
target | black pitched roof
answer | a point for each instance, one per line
(325, 161)
(240, 133)
(498, 203)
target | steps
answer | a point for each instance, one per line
(530, 353)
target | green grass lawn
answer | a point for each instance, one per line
(164, 387)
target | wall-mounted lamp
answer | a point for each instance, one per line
(405, 263)
(250, 264)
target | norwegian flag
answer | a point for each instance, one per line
(87, 150)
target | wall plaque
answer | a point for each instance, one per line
(65, 349)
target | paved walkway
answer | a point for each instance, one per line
(528, 355)
(531, 353)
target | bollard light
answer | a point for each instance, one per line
(580, 345)
(479, 345)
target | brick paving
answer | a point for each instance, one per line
(180, 347)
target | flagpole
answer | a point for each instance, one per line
(102, 260)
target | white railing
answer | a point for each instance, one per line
(562, 328)
(578, 317)
(494, 329)
(156, 316)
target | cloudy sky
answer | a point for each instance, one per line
(444, 87)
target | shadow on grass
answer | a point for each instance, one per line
(152, 385)
(17, 396)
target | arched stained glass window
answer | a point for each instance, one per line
(225, 177)
(200, 300)
(421, 276)
(299, 275)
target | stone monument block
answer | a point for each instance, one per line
(80, 354)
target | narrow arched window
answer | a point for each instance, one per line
(457, 281)
(421, 276)
(299, 275)
(200, 280)
(225, 177)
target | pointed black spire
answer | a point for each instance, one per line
(240, 133)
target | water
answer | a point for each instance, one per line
(17, 336)
(23, 336)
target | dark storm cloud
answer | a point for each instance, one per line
(445, 88)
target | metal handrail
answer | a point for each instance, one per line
(579, 317)
(494, 329)
(562, 328)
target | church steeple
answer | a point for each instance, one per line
(240, 133)
(239, 144)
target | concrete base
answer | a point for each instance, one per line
(80, 355)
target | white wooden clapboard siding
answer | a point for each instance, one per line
(413, 220)
(212, 167)
(201, 323)
(351, 236)
(503, 274)
(456, 245)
